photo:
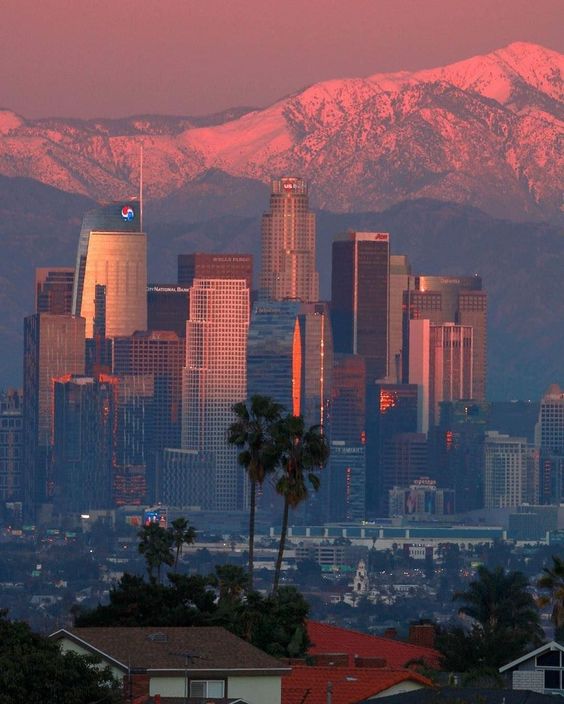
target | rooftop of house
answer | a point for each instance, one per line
(332, 639)
(195, 649)
(348, 684)
(552, 645)
(466, 695)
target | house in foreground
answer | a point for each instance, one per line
(541, 671)
(346, 684)
(181, 664)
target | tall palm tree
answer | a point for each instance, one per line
(155, 545)
(553, 581)
(302, 453)
(502, 607)
(182, 532)
(252, 433)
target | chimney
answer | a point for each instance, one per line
(369, 661)
(422, 634)
(390, 633)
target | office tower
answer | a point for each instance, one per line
(399, 282)
(550, 439)
(440, 363)
(391, 409)
(450, 299)
(505, 467)
(360, 298)
(317, 361)
(274, 355)
(160, 355)
(53, 346)
(346, 471)
(288, 269)
(11, 445)
(84, 442)
(457, 451)
(183, 479)
(167, 308)
(135, 397)
(347, 480)
(199, 265)
(53, 290)
(215, 378)
(404, 459)
(112, 252)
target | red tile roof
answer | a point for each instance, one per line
(332, 639)
(308, 685)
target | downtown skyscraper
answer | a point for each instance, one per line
(112, 253)
(360, 298)
(288, 269)
(215, 378)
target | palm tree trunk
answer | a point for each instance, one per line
(282, 545)
(252, 512)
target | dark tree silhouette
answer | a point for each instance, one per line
(302, 453)
(252, 434)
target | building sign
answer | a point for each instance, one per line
(127, 213)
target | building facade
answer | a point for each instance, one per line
(53, 290)
(505, 467)
(11, 445)
(360, 298)
(167, 308)
(112, 252)
(53, 346)
(288, 268)
(550, 439)
(215, 378)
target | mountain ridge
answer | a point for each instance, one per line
(484, 131)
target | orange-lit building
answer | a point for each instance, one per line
(288, 268)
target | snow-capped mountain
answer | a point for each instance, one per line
(486, 131)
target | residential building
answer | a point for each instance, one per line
(288, 268)
(360, 298)
(541, 670)
(181, 664)
(215, 378)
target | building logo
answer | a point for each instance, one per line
(127, 213)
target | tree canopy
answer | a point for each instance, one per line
(503, 622)
(33, 669)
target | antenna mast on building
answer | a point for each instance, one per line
(141, 188)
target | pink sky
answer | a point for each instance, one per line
(85, 58)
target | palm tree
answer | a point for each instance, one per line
(505, 622)
(553, 581)
(182, 532)
(156, 546)
(252, 434)
(302, 453)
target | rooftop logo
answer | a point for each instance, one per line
(127, 213)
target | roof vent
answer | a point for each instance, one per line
(158, 637)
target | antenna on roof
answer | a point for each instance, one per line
(141, 187)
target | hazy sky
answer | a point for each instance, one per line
(85, 58)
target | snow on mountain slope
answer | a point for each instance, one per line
(484, 131)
